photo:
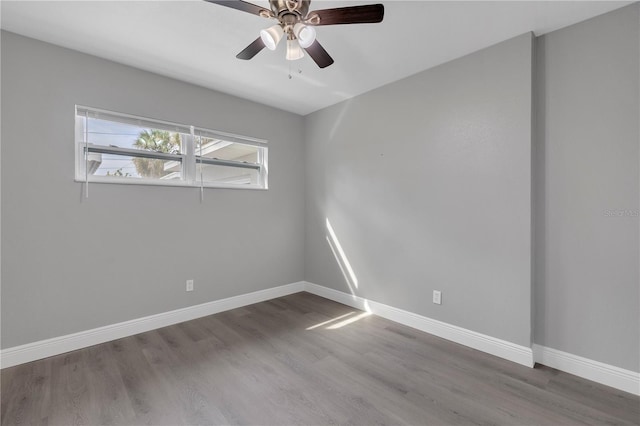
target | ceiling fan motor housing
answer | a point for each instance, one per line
(297, 8)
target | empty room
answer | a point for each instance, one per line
(295, 212)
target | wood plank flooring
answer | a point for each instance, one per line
(299, 359)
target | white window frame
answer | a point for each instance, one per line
(188, 157)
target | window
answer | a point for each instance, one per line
(120, 148)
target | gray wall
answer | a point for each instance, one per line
(586, 167)
(70, 264)
(426, 182)
(427, 185)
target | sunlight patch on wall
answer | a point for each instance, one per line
(341, 257)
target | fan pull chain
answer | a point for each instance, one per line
(291, 75)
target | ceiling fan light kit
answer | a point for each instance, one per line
(305, 34)
(272, 36)
(294, 51)
(297, 23)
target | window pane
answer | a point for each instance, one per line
(98, 131)
(118, 145)
(114, 165)
(225, 150)
(227, 175)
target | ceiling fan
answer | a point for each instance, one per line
(297, 24)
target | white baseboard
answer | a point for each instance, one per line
(501, 348)
(619, 378)
(58, 345)
(626, 380)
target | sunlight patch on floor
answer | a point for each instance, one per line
(348, 321)
(331, 320)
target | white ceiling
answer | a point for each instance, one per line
(195, 41)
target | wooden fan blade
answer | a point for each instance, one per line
(243, 6)
(251, 50)
(319, 55)
(367, 14)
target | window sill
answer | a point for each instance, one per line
(140, 182)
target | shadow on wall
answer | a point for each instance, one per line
(337, 122)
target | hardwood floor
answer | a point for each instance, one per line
(299, 359)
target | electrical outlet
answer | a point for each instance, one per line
(189, 285)
(437, 297)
